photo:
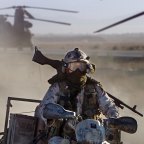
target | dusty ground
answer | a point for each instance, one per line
(20, 77)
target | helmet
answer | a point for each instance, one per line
(77, 59)
(76, 55)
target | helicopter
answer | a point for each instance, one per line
(19, 34)
(120, 22)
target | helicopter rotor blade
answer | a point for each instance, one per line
(7, 8)
(61, 10)
(53, 9)
(6, 15)
(50, 21)
(37, 19)
(119, 22)
(12, 7)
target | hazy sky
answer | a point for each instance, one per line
(93, 15)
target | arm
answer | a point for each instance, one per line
(50, 97)
(107, 106)
(50, 108)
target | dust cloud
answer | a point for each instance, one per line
(21, 77)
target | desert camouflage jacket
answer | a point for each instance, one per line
(90, 100)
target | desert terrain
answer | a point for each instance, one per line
(121, 76)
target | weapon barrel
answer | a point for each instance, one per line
(119, 103)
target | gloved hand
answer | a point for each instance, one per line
(56, 111)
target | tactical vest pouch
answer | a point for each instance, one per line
(90, 103)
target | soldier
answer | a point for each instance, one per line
(76, 91)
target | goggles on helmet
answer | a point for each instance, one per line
(73, 66)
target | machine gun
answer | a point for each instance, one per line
(121, 104)
(57, 64)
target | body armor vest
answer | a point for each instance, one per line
(68, 99)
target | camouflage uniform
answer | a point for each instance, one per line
(88, 100)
